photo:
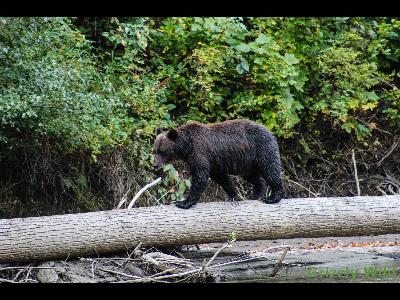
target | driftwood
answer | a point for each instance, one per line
(341, 264)
(71, 235)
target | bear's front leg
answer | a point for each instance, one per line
(199, 184)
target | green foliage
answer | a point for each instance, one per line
(89, 86)
(346, 88)
(272, 69)
(52, 90)
(175, 185)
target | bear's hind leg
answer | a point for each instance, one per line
(271, 173)
(275, 183)
(260, 186)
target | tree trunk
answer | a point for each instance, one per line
(94, 233)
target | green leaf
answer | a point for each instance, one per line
(233, 42)
(290, 59)
(370, 105)
(187, 182)
(239, 68)
(245, 65)
(196, 27)
(372, 96)
(243, 48)
(263, 39)
(242, 67)
(259, 60)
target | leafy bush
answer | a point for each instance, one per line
(75, 92)
(52, 90)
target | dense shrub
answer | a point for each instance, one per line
(84, 96)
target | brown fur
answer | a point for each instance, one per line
(238, 147)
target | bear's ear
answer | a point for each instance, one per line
(159, 130)
(172, 134)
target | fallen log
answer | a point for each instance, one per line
(71, 235)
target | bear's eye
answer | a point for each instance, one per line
(161, 152)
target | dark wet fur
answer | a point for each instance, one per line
(237, 147)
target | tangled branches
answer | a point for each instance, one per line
(139, 265)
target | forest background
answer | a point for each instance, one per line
(81, 98)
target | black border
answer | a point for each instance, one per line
(154, 8)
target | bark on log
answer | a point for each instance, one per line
(62, 236)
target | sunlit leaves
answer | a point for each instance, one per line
(290, 59)
(283, 72)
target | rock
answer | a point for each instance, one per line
(76, 278)
(134, 270)
(110, 279)
(47, 276)
(48, 264)
(60, 270)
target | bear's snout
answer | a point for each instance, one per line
(157, 166)
(158, 162)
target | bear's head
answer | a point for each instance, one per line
(164, 149)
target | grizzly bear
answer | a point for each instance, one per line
(235, 147)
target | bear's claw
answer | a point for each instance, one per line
(271, 200)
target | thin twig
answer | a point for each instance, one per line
(164, 272)
(134, 252)
(279, 263)
(17, 275)
(147, 186)
(93, 263)
(106, 258)
(145, 279)
(123, 199)
(25, 268)
(231, 262)
(382, 191)
(315, 195)
(394, 146)
(254, 257)
(7, 280)
(166, 276)
(388, 83)
(390, 188)
(11, 186)
(118, 273)
(28, 273)
(216, 254)
(353, 156)
(376, 128)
